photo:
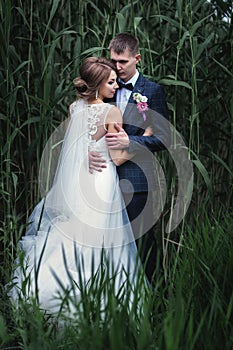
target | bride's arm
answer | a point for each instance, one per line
(118, 156)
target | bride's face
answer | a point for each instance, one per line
(108, 87)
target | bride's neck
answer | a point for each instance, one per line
(94, 101)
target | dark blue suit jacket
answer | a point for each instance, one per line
(140, 171)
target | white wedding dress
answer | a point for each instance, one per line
(81, 224)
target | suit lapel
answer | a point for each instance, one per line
(138, 87)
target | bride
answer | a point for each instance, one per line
(81, 223)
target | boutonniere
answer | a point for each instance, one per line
(142, 105)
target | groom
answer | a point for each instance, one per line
(138, 180)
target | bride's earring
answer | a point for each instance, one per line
(96, 94)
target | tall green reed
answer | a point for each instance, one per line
(187, 47)
(193, 310)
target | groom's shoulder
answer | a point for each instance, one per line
(149, 83)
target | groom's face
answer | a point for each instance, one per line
(125, 63)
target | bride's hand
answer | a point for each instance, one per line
(96, 162)
(148, 131)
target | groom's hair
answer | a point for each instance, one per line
(93, 72)
(124, 41)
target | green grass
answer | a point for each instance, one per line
(187, 47)
(193, 310)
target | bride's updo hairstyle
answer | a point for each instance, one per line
(91, 74)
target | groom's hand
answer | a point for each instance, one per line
(119, 140)
(96, 162)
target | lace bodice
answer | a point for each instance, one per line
(92, 118)
(96, 115)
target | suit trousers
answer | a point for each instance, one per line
(143, 228)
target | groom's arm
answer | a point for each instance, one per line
(159, 141)
(157, 118)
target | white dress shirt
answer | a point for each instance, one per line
(123, 94)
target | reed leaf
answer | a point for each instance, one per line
(186, 46)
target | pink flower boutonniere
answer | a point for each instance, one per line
(142, 105)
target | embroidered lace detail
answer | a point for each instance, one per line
(93, 118)
(96, 116)
(94, 113)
